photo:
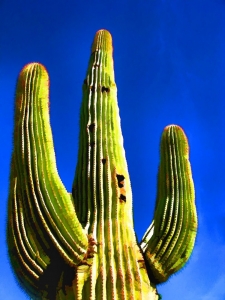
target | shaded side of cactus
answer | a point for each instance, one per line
(83, 245)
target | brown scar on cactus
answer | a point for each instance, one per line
(92, 144)
(103, 160)
(92, 88)
(120, 179)
(95, 65)
(105, 89)
(91, 127)
(122, 198)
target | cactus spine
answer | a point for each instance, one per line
(83, 245)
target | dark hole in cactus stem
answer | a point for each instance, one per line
(104, 161)
(92, 88)
(105, 89)
(85, 81)
(120, 179)
(91, 127)
(122, 198)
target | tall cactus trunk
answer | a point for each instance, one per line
(101, 189)
(83, 245)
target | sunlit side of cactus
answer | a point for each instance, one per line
(83, 245)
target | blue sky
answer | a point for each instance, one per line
(169, 59)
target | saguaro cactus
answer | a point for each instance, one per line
(83, 245)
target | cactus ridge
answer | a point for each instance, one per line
(82, 245)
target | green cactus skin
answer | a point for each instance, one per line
(83, 245)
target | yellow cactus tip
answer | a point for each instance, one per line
(102, 41)
(180, 134)
(32, 65)
(105, 31)
(173, 126)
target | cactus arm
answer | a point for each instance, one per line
(169, 240)
(45, 215)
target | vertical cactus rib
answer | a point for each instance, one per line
(175, 217)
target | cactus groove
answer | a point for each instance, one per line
(83, 245)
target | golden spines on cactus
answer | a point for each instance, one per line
(83, 245)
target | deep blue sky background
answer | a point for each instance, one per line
(169, 61)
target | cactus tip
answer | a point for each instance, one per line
(173, 126)
(29, 66)
(176, 130)
(102, 40)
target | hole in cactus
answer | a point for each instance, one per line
(95, 65)
(105, 89)
(141, 263)
(91, 127)
(120, 179)
(85, 81)
(122, 198)
(104, 161)
(92, 88)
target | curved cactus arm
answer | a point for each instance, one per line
(41, 213)
(169, 240)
